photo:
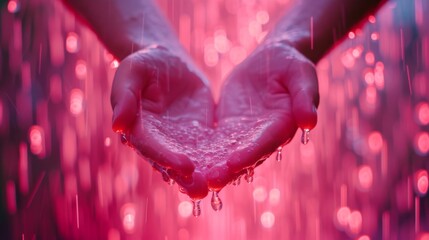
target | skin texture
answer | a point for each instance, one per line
(154, 83)
(276, 83)
(265, 86)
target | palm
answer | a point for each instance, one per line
(167, 101)
(263, 93)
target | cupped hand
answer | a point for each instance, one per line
(157, 98)
(271, 93)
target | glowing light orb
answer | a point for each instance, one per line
(365, 177)
(72, 42)
(114, 64)
(268, 219)
(421, 143)
(128, 217)
(422, 112)
(355, 222)
(76, 101)
(12, 6)
(375, 141)
(274, 196)
(259, 194)
(262, 17)
(36, 135)
(364, 237)
(343, 215)
(421, 182)
(185, 209)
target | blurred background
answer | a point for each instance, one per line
(65, 175)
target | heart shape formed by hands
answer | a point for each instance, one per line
(211, 150)
(165, 111)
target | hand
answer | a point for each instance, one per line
(154, 95)
(272, 92)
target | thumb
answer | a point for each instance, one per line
(125, 97)
(303, 87)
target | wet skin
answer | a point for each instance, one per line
(167, 113)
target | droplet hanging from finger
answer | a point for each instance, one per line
(196, 209)
(305, 137)
(279, 154)
(216, 202)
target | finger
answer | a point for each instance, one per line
(265, 141)
(194, 186)
(302, 85)
(151, 143)
(126, 88)
(218, 177)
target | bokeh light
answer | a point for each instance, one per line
(128, 213)
(421, 182)
(421, 143)
(259, 194)
(76, 101)
(72, 42)
(185, 209)
(365, 176)
(342, 216)
(268, 219)
(422, 112)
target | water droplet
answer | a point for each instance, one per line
(165, 177)
(305, 137)
(196, 210)
(216, 201)
(279, 154)
(236, 181)
(171, 182)
(249, 175)
(124, 139)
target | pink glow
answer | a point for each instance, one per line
(76, 101)
(211, 57)
(363, 173)
(422, 112)
(185, 209)
(128, 213)
(274, 196)
(355, 222)
(1, 113)
(369, 58)
(259, 194)
(23, 168)
(375, 141)
(262, 17)
(221, 42)
(113, 234)
(342, 216)
(114, 64)
(421, 182)
(268, 219)
(423, 236)
(364, 237)
(12, 6)
(421, 143)
(72, 42)
(369, 77)
(375, 36)
(365, 177)
(37, 141)
(10, 192)
(81, 70)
